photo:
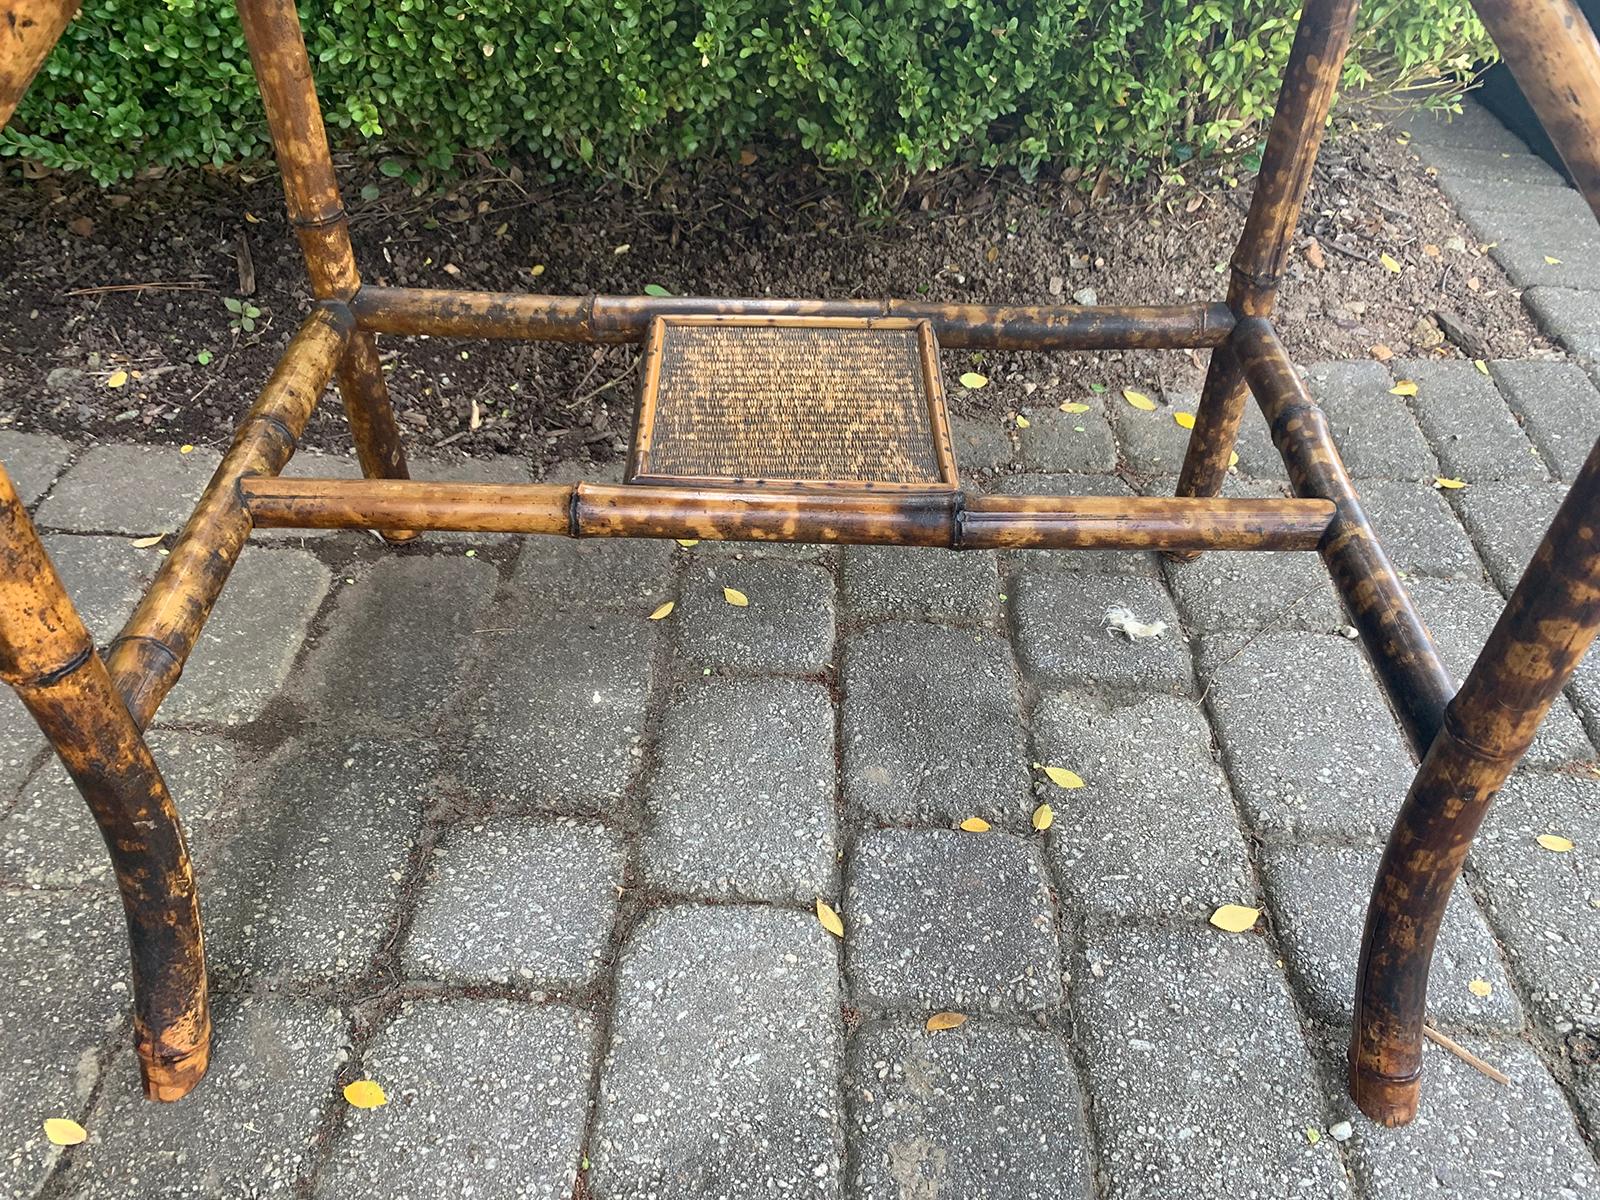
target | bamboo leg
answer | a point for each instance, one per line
(1539, 640)
(29, 30)
(1309, 82)
(47, 655)
(311, 193)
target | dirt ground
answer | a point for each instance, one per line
(95, 283)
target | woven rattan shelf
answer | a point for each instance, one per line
(793, 402)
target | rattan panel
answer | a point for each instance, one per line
(790, 402)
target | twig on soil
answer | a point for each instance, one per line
(1466, 1056)
(1349, 251)
(188, 285)
(605, 387)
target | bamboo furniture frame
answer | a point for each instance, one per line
(93, 709)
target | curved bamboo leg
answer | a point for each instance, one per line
(48, 657)
(1539, 640)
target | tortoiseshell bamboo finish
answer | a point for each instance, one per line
(48, 657)
(93, 713)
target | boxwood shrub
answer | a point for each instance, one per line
(620, 85)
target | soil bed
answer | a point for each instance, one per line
(96, 283)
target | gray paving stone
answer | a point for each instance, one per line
(33, 461)
(1473, 128)
(244, 654)
(1058, 441)
(1244, 589)
(906, 689)
(982, 445)
(1062, 639)
(1546, 906)
(1527, 259)
(940, 919)
(137, 490)
(633, 574)
(399, 638)
(985, 1110)
(105, 577)
(1309, 743)
(1474, 1138)
(920, 584)
(21, 744)
(49, 840)
(1504, 166)
(1318, 896)
(1506, 521)
(787, 626)
(247, 1130)
(1153, 443)
(307, 885)
(722, 1075)
(1459, 614)
(1559, 407)
(1418, 529)
(1469, 426)
(559, 723)
(741, 804)
(1112, 562)
(63, 995)
(1201, 1081)
(1479, 198)
(486, 1099)
(515, 900)
(1571, 317)
(1376, 434)
(1147, 765)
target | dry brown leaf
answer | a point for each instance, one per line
(1382, 353)
(1430, 250)
(975, 825)
(63, 1131)
(735, 597)
(1315, 256)
(145, 543)
(663, 612)
(829, 919)
(365, 1093)
(1235, 918)
(939, 1022)
(475, 421)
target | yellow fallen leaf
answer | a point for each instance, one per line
(975, 825)
(116, 379)
(1185, 419)
(664, 611)
(1390, 263)
(1235, 918)
(1453, 485)
(1483, 367)
(735, 597)
(365, 1093)
(63, 1131)
(1043, 817)
(1404, 388)
(1481, 988)
(1554, 842)
(945, 1020)
(1061, 777)
(1313, 1135)
(1554, 262)
(1074, 406)
(1139, 400)
(830, 919)
(1023, 422)
(1233, 459)
(145, 543)
(185, 449)
(536, 270)
(687, 542)
(973, 380)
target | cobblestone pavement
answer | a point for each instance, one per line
(468, 823)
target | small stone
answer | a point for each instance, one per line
(1340, 1132)
(1086, 297)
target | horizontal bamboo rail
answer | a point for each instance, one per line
(828, 516)
(29, 30)
(1402, 652)
(148, 655)
(619, 319)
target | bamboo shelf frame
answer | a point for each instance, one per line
(94, 710)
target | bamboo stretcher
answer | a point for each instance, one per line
(901, 489)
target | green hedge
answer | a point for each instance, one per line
(867, 85)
